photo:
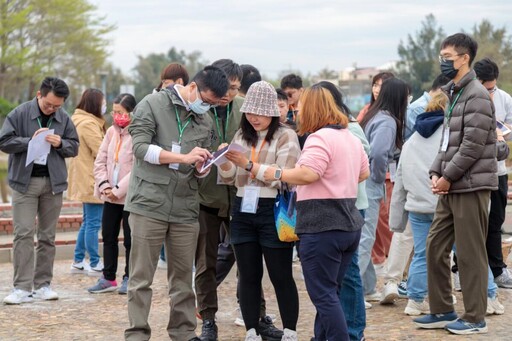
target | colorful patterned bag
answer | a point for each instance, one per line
(285, 215)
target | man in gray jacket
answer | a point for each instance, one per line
(37, 187)
(170, 132)
(463, 175)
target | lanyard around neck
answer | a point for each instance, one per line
(118, 148)
(254, 157)
(449, 115)
(181, 128)
(47, 124)
(222, 135)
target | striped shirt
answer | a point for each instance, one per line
(283, 151)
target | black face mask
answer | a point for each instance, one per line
(448, 69)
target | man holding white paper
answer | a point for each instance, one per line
(37, 185)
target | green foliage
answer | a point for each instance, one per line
(63, 38)
(5, 107)
(418, 63)
(496, 44)
(148, 68)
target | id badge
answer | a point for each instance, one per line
(392, 171)
(176, 148)
(115, 176)
(250, 199)
(41, 160)
(446, 139)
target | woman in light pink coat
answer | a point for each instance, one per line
(112, 173)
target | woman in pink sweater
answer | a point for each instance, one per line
(112, 173)
(330, 167)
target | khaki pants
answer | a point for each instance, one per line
(41, 202)
(180, 244)
(206, 263)
(461, 218)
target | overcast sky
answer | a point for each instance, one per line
(275, 35)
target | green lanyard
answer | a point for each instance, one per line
(181, 129)
(48, 124)
(449, 116)
(222, 135)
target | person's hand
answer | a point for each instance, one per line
(38, 131)
(223, 145)
(442, 186)
(269, 174)
(434, 183)
(112, 196)
(106, 191)
(499, 135)
(237, 158)
(197, 155)
(54, 140)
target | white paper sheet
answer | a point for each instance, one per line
(38, 146)
(219, 158)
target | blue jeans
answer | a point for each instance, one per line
(87, 239)
(417, 288)
(351, 296)
(375, 194)
(325, 257)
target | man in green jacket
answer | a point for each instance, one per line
(170, 132)
(215, 201)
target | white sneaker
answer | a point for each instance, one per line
(96, 271)
(80, 268)
(417, 308)
(375, 297)
(456, 282)
(239, 320)
(18, 296)
(390, 293)
(289, 335)
(45, 293)
(161, 264)
(367, 305)
(252, 336)
(494, 307)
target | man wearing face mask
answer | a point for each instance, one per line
(170, 133)
(463, 175)
(37, 187)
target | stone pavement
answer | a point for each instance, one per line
(78, 315)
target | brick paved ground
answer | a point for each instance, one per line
(78, 315)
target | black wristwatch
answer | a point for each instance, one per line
(249, 166)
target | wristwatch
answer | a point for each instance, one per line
(278, 174)
(249, 166)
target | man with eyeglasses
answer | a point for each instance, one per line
(463, 175)
(171, 132)
(487, 73)
(37, 187)
(292, 86)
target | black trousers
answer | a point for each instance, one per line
(496, 220)
(113, 214)
(279, 266)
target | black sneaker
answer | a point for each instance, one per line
(209, 331)
(268, 331)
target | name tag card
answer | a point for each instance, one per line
(250, 199)
(176, 148)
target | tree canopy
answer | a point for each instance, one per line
(63, 38)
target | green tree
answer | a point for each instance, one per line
(64, 38)
(326, 74)
(148, 68)
(418, 64)
(496, 44)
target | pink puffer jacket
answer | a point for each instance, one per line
(115, 139)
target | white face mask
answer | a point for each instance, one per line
(103, 108)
